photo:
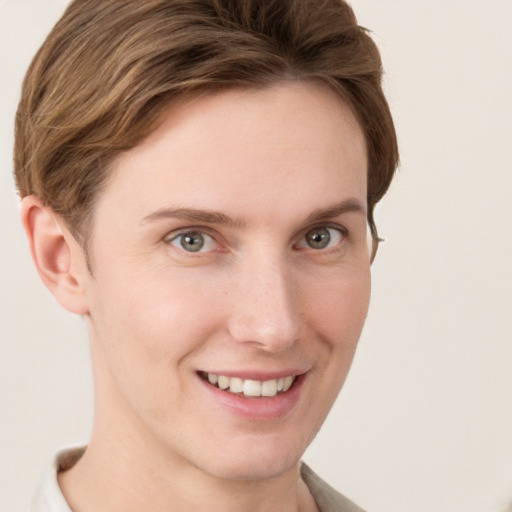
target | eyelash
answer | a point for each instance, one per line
(208, 239)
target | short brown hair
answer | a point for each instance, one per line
(109, 70)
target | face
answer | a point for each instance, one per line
(229, 250)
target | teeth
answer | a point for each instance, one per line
(223, 382)
(252, 388)
(288, 381)
(267, 388)
(236, 385)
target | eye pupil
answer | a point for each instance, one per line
(318, 239)
(192, 242)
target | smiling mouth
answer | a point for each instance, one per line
(248, 387)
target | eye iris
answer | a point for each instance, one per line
(192, 242)
(318, 239)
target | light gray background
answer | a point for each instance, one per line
(425, 420)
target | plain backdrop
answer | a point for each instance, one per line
(424, 422)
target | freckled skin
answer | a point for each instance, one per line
(258, 297)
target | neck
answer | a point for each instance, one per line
(117, 474)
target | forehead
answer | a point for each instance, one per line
(246, 147)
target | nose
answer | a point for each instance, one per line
(264, 305)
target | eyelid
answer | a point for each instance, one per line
(189, 229)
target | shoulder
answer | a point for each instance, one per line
(327, 498)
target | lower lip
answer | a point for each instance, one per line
(257, 408)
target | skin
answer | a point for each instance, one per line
(256, 298)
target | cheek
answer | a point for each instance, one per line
(144, 332)
(165, 314)
(337, 314)
(340, 308)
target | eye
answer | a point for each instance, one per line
(322, 237)
(193, 241)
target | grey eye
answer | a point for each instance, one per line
(193, 241)
(322, 237)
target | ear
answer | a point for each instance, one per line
(58, 257)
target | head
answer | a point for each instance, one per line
(109, 71)
(202, 175)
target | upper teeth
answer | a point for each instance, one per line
(250, 387)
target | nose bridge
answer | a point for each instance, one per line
(265, 309)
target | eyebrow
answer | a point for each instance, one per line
(214, 217)
(192, 215)
(346, 206)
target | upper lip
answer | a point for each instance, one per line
(261, 375)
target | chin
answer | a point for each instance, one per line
(243, 469)
(264, 458)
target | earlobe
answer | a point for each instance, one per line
(58, 258)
